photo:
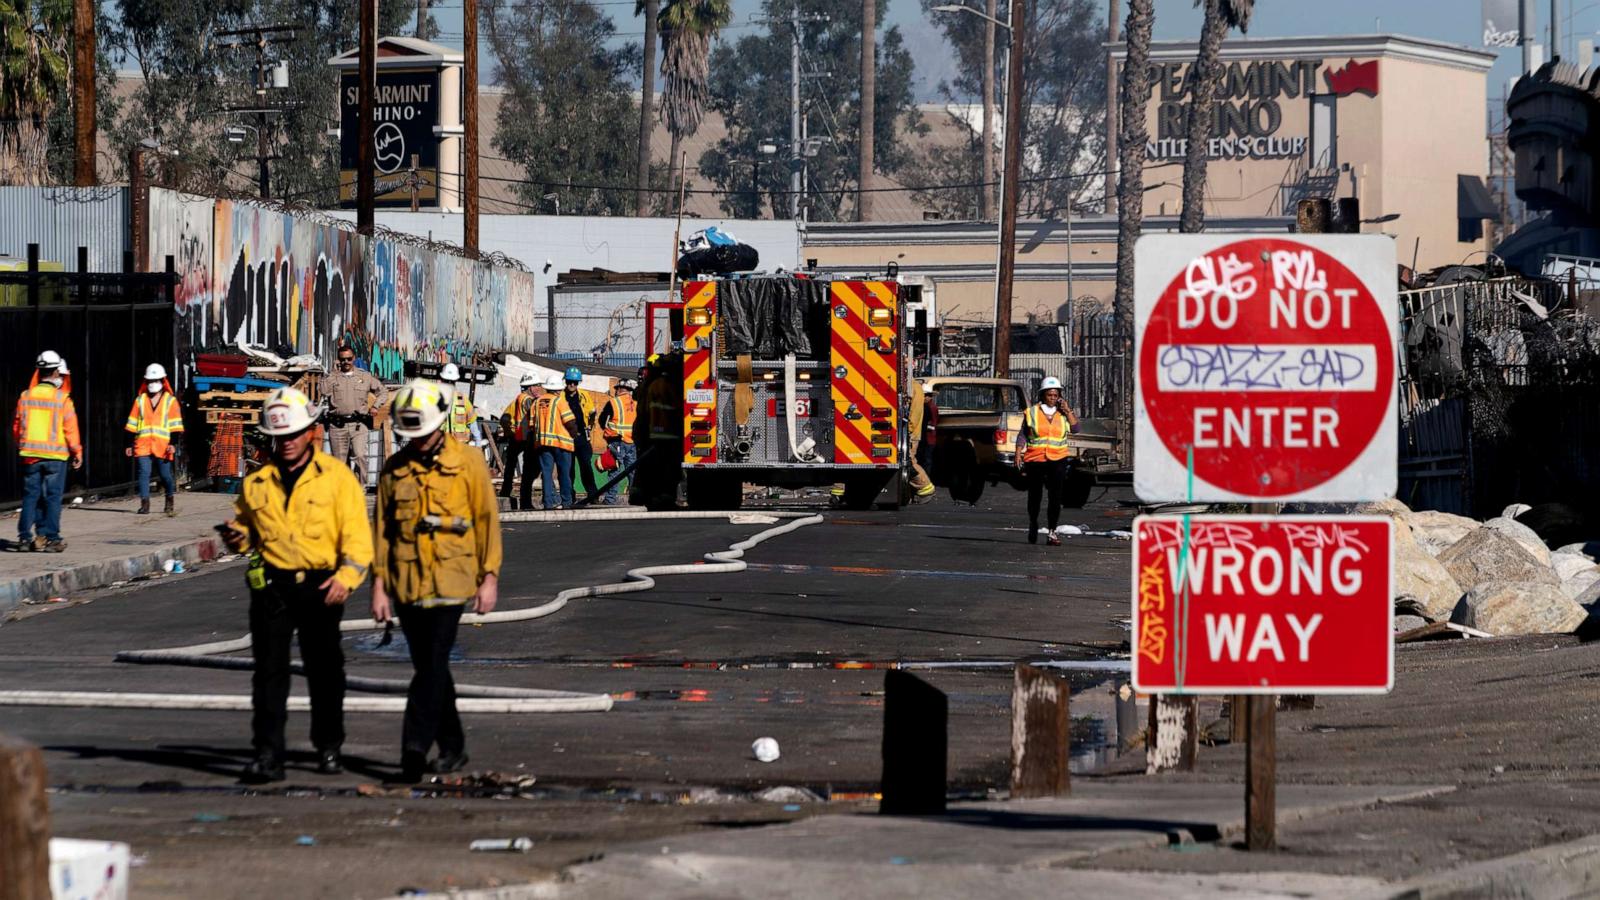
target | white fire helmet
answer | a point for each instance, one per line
(420, 408)
(49, 359)
(1051, 383)
(554, 383)
(528, 380)
(449, 374)
(155, 372)
(287, 412)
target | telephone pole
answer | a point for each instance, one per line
(83, 99)
(1009, 193)
(986, 192)
(794, 111)
(869, 82)
(469, 85)
(367, 75)
(260, 37)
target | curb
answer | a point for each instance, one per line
(102, 572)
(1561, 870)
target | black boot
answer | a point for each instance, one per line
(448, 762)
(328, 761)
(171, 508)
(263, 769)
(1033, 532)
(412, 767)
(144, 507)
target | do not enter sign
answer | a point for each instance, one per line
(1265, 368)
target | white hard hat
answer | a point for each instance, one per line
(628, 384)
(48, 360)
(449, 373)
(62, 369)
(554, 383)
(155, 372)
(1050, 383)
(528, 380)
(420, 408)
(287, 412)
(927, 389)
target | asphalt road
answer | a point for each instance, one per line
(700, 666)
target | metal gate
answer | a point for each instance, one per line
(108, 327)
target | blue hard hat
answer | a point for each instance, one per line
(573, 374)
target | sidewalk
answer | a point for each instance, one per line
(107, 542)
(1017, 848)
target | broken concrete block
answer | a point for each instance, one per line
(1422, 585)
(1508, 607)
(1522, 534)
(1489, 554)
(1436, 531)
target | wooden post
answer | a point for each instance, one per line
(24, 823)
(84, 106)
(367, 78)
(1238, 718)
(915, 746)
(1261, 775)
(1041, 734)
(469, 111)
(1173, 737)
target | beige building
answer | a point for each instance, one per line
(1397, 123)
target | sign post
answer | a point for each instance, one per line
(1265, 371)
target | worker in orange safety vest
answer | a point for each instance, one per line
(155, 423)
(522, 432)
(1042, 455)
(46, 431)
(616, 423)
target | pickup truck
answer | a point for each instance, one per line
(970, 433)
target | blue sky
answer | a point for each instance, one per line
(1456, 21)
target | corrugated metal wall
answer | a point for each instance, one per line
(62, 219)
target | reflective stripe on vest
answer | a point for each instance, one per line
(461, 416)
(552, 414)
(153, 427)
(620, 425)
(43, 411)
(1047, 436)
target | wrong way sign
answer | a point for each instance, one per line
(1263, 604)
(1265, 368)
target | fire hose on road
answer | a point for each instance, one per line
(472, 698)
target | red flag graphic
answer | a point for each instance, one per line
(1354, 78)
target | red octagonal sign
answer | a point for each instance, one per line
(1265, 368)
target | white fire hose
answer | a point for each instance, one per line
(805, 451)
(473, 698)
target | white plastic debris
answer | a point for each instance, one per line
(765, 749)
(172, 567)
(77, 501)
(1068, 529)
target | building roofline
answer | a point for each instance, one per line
(1092, 229)
(414, 52)
(1391, 45)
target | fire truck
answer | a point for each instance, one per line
(794, 380)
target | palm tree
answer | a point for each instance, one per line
(35, 67)
(1221, 15)
(1135, 132)
(869, 97)
(650, 9)
(687, 27)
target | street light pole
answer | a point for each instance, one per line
(1008, 191)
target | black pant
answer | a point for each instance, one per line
(1049, 476)
(283, 607)
(431, 702)
(583, 464)
(528, 453)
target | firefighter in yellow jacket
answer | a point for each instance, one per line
(438, 550)
(155, 423)
(303, 520)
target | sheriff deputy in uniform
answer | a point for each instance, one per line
(304, 521)
(1042, 455)
(46, 431)
(438, 549)
(353, 395)
(522, 439)
(155, 422)
(616, 422)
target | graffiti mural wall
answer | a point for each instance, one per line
(252, 273)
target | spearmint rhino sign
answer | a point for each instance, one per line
(405, 110)
(1248, 119)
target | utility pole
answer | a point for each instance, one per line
(367, 75)
(647, 108)
(794, 110)
(83, 99)
(1009, 193)
(869, 90)
(1525, 34)
(260, 37)
(1113, 32)
(986, 192)
(469, 83)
